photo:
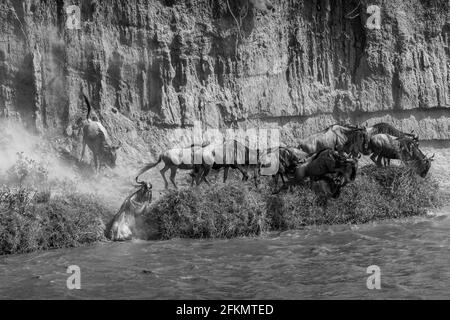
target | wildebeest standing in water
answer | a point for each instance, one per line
(349, 139)
(123, 225)
(96, 138)
(404, 149)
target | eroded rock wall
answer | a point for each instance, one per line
(152, 66)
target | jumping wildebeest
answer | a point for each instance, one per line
(348, 139)
(404, 149)
(327, 166)
(179, 158)
(124, 222)
(97, 139)
(326, 162)
(288, 159)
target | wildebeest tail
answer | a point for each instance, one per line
(149, 166)
(88, 106)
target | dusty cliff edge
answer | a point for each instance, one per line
(152, 66)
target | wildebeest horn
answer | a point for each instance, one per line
(143, 183)
(432, 157)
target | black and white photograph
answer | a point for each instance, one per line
(246, 151)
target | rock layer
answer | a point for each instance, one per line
(299, 65)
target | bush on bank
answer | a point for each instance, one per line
(33, 218)
(30, 222)
(237, 209)
(222, 211)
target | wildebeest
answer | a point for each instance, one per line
(124, 222)
(229, 154)
(326, 166)
(404, 149)
(349, 139)
(178, 158)
(386, 128)
(97, 139)
(326, 162)
(288, 159)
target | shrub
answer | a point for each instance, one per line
(27, 170)
(238, 209)
(30, 224)
(227, 210)
(377, 193)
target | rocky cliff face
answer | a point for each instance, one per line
(152, 66)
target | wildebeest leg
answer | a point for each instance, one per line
(173, 172)
(96, 164)
(275, 180)
(256, 176)
(202, 175)
(284, 181)
(282, 178)
(244, 174)
(373, 158)
(163, 173)
(205, 174)
(225, 173)
(82, 151)
(379, 161)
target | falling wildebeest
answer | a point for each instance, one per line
(288, 159)
(123, 225)
(404, 149)
(97, 139)
(349, 139)
(178, 158)
(331, 169)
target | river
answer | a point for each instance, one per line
(328, 262)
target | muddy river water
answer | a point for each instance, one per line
(317, 262)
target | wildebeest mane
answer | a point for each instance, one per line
(387, 128)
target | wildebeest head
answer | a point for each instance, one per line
(358, 141)
(413, 155)
(109, 155)
(347, 169)
(327, 186)
(144, 193)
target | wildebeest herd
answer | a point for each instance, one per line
(327, 160)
